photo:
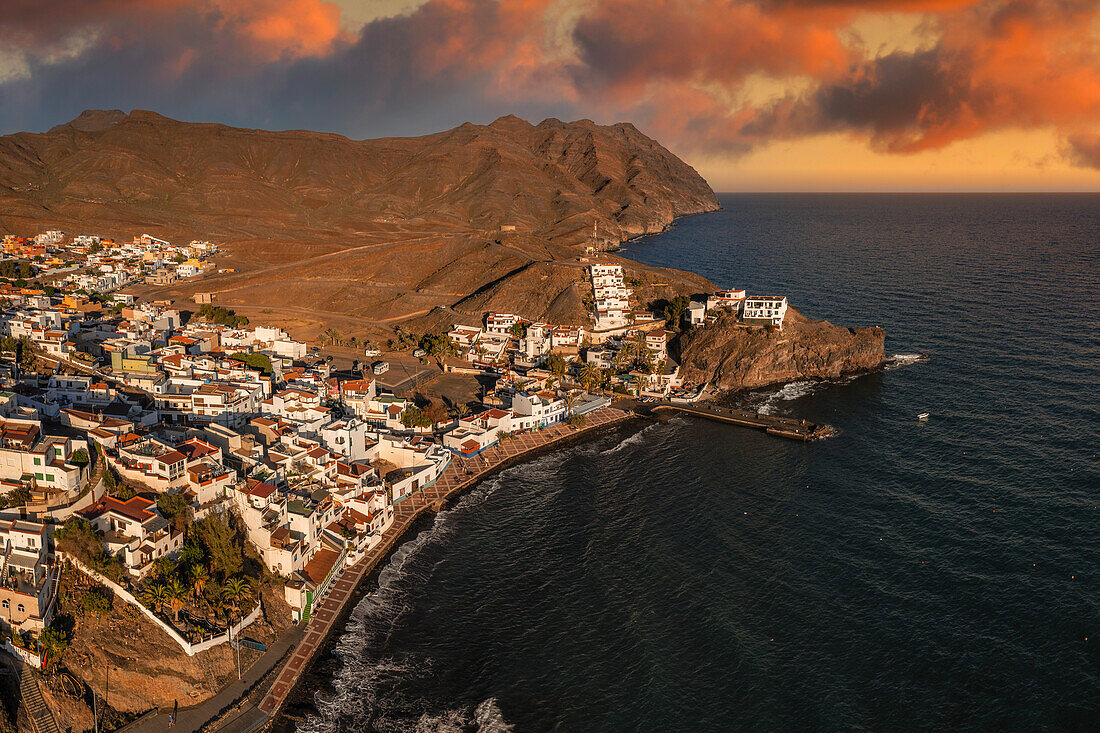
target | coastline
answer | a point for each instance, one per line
(292, 680)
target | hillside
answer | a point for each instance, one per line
(371, 232)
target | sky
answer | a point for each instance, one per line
(758, 95)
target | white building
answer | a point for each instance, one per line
(533, 410)
(501, 324)
(28, 578)
(733, 299)
(695, 313)
(770, 310)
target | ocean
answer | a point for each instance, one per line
(691, 576)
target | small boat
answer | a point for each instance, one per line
(923, 416)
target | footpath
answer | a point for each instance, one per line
(308, 640)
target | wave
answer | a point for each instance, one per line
(354, 693)
(900, 360)
(786, 393)
(487, 716)
(632, 439)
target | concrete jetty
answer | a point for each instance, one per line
(783, 427)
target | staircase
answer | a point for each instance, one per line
(41, 717)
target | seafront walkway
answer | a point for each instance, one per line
(462, 473)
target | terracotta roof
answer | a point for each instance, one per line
(259, 489)
(135, 508)
(172, 457)
(317, 569)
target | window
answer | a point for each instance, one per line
(49, 477)
(6, 604)
(38, 462)
(39, 476)
(21, 609)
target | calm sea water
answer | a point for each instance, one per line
(689, 576)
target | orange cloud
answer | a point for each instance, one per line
(270, 29)
(707, 76)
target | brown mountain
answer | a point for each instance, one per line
(361, 234)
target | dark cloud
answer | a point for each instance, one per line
(675, 68)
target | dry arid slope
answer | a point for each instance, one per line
(328, 230)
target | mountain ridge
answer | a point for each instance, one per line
(276, 198)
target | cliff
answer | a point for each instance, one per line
(734, 357)
(328, 231)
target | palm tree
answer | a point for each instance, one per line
(332, 336)
(155, 595)
(176, 593)
(235, 590)
(590, 376)
(462, 410)
(199, 579)
(570, 403)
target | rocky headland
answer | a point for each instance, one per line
(731, 356)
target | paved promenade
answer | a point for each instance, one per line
(462, 473)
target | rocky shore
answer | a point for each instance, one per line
(732, 356)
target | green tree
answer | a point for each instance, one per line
(674, 311)
(199, 579)
(438, 345)
(256, 361)
(556, 364)
(79, 458)
(16, 269)
(54, 640)
(19, 496)
(413, 417)
(176, 509)
(222, 316)
(220, 543)
(519, 330)
(570, 403)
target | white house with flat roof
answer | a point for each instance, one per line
(765, 309)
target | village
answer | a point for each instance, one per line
(134, 435)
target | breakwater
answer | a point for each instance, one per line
(783, 427)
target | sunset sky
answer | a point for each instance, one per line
(758, 94)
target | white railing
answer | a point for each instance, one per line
(190, 649)
(31, 658)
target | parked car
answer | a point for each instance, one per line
(380, 367)
(419, 353)
(372, 352)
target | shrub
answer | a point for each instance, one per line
(80, 457)
(256, 361)
(97, 601)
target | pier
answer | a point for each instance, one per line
(783, 427)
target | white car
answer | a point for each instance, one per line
(372, 352)
(419, 353)
(380, 367)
